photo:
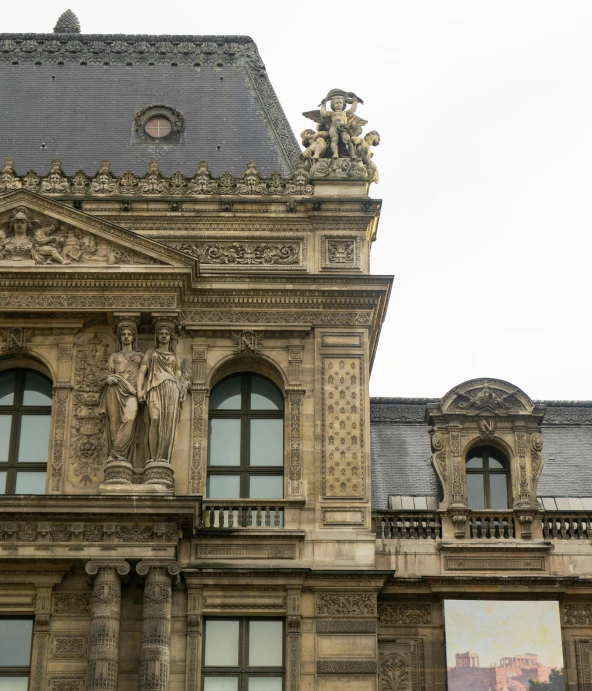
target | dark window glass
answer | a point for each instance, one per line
(243, 655)
(488, 479)
(25, 419)
(15, 653)
(246, 439)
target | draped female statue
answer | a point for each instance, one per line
(120, 396)
(161, 384)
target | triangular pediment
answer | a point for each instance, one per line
(36, 231)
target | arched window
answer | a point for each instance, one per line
(488, 479)
(246, 439)
(25, 416)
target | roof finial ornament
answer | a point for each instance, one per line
(67, 24)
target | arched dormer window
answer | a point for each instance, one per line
(246, 439)
(488, 479)
(25, 417)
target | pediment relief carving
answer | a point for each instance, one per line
(35, 231)
(28, 237)
(486, 397)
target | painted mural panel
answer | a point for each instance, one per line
(503, 646)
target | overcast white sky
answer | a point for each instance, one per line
(485, 111)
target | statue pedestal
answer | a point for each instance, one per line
(119, 473)
(157, 477)
(136, 490)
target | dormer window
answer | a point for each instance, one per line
(158, 127)
(158, 124)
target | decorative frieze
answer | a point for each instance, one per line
(343, 427)
(346, 667)
(69, 646)
(345, 604)
(114, 533)
(72, 602)
(466, 563)
(577, 615)
(258, 252)
(273, 317)
(67, 683)
(245, 602)
(245, 551)
(346, 625)
(404, 615)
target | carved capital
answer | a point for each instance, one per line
(172, 568)
(92, 568)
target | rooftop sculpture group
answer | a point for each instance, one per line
(338, 148)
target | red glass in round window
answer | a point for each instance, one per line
(158, 127)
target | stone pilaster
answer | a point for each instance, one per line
(194, 618)
(40, 639)
(155, 651)
(105, 608)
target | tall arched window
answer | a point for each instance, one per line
(246, 439)
(488, 478)
(25, 416)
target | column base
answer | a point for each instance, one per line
(159, 473)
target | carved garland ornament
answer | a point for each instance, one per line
(197, 400)
(248, 254)
(60, 411)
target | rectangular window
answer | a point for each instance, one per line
(243, 654)
(16, 636)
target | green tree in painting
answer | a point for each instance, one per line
(555, 683)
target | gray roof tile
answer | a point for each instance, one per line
(401, 453)
(57, 92)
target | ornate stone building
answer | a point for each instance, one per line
(187, 329)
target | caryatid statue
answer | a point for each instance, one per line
(162, 385)
(120, 394)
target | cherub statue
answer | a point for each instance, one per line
(342, 124)
(44, 244)
(363, 145)
(315, 143)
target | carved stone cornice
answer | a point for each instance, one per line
(154, 184)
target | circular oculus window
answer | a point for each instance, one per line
(158, 127)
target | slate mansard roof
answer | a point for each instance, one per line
(401, 452)
(73, 96)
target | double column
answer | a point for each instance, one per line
(155, 652)
(105, 614)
